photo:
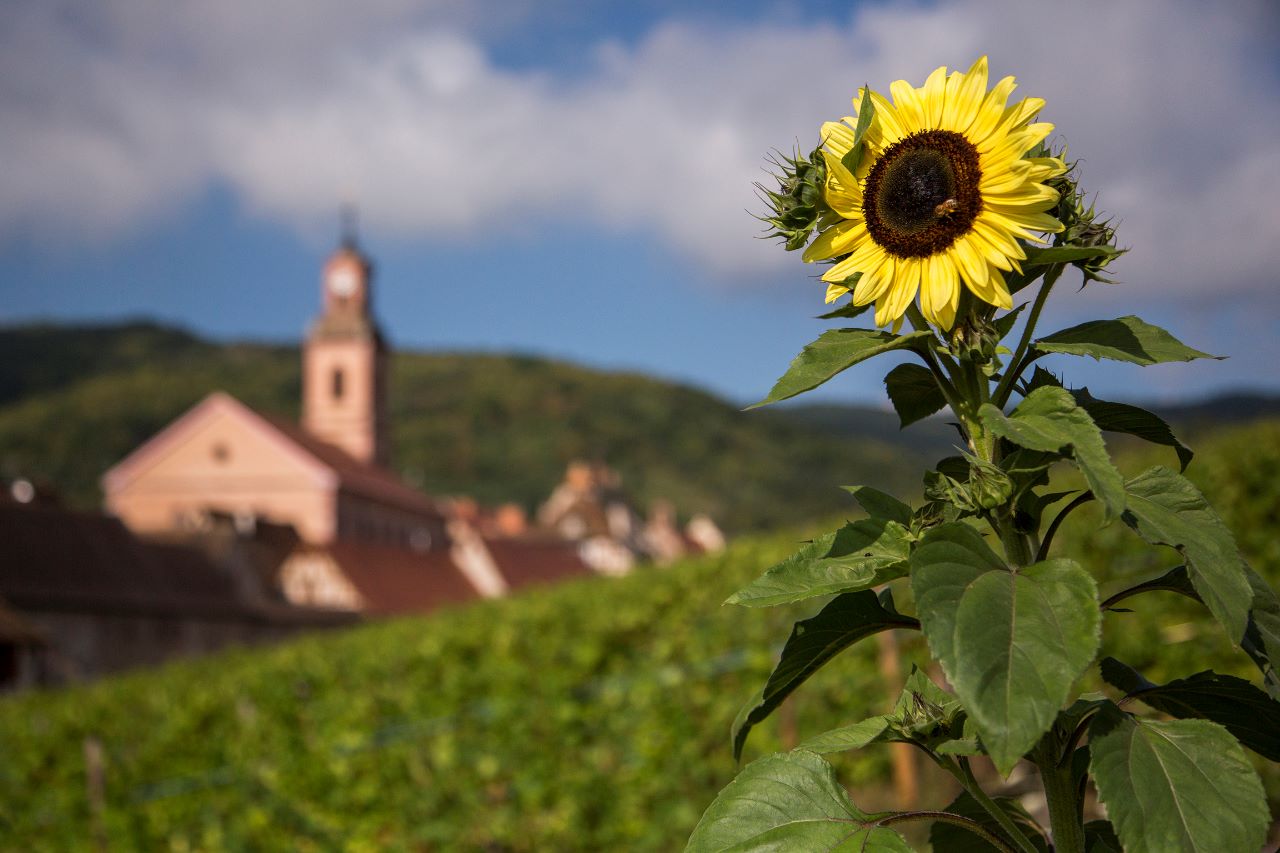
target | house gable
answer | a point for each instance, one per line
(222, 455)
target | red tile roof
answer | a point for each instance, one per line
(397, 580)
(523, 561)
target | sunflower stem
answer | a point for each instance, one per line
(961, 770)
(1019, 362)
(1043, 551)
(954, 819)
(945, 383)
(1062, 795)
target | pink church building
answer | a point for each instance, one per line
(368, 542)
(327, 478)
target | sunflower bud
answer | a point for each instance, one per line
(975, 338)
(987, 487)
(1082, 225)
(797, 204)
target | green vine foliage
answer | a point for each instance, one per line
(1013, 618)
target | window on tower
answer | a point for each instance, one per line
(338, 383)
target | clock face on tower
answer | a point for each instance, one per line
(342, 282)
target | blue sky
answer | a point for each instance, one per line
(573, 179)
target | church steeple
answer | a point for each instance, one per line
(344, 359)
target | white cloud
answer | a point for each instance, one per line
(112, 121)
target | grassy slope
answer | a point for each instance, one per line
(75, 401)
(589, 716)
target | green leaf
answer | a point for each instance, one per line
(860, 555)
(924, 714)
(1004, 323)
(1100, 837)
(1011, 643)
(1123, 339)
(1049, 419)
(1043, 257)
(960, 746)
(1121, 417)
(833, 352)
(856, 736)
(848, 311)
(845, 620)
(1041, 378)
(1248, 713)
(1164, 508)
(1262, 636)
(866, 113)
(878, 504)
(789, 802)
(914, 393)
(949, 838)
(1182, 785)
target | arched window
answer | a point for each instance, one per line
(337, 383)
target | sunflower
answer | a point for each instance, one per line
(942, 194)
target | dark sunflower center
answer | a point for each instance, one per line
(922, 194)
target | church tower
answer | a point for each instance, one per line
(344, 361)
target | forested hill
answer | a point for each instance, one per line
(75, 400)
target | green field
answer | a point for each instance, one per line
(591, 716)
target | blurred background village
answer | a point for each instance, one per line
(373, 462)
(230, 526)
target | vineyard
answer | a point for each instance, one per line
(591, 716)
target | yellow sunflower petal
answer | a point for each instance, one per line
(1028, 222)
(951, 100)
(905, 284)
(839, 239)
(971, 95)
(1005, 180)
(874, 282)
(1028, 195)
(887, 119)
(882, 316)
(937, 289)
(911, 113)
(837, 137)
(969, 260)
(991, 110)
(1019, 114)
(841, 271)
(993, 291)
(844, 193)
(1000, 240)
(933, 95)
(835, 291)
(998, 151)
(1041, 168)
(1003, 299)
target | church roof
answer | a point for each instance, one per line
(327, 462)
